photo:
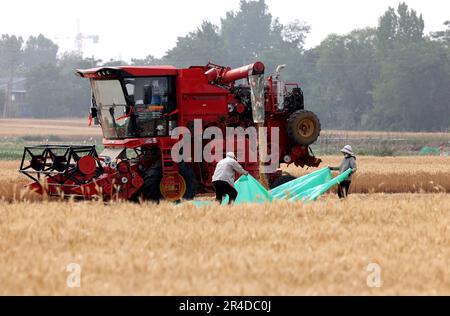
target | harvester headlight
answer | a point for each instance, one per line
(124, 180)
(287, 159)
(230, 107)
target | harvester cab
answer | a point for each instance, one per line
(140, 110)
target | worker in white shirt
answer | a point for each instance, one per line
(223, 178)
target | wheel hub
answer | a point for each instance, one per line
(306, 127)
(172, 187)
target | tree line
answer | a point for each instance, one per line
(390, 77)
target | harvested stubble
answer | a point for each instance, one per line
(280, 248)
(60, 127)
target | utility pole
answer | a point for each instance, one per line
(8, 98)
(5, 102)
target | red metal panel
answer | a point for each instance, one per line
(151, 70)
(197, 98)
(140, 71)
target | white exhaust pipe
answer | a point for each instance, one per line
(280, 87)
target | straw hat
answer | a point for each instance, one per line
(347, 150)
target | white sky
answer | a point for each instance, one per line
(136, 28)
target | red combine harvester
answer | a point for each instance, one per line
(138, 108)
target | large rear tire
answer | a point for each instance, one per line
(303, 127)
(151, 189)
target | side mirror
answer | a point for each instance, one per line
(94, 115)
(94, 112)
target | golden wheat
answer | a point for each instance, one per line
(280, 248)
(394, 174)
(374, 175)
(385, 135)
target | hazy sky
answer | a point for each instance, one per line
(136, 28)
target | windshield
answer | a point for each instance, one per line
(140, 109)
(108, 92)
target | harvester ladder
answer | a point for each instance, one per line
(168, 165)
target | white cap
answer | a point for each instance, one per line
(231, 155)
(347, 150)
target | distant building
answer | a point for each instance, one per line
(19, 106)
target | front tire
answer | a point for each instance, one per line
(151, 189)
(192, 184)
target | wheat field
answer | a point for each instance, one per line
(282, 248)
(375, 175)
(61, 127)
(398, 218)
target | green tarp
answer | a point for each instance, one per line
(295, 187)
(430, 151)
(311, 193)
(249, 191)
(306, 188)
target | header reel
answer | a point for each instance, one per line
(59, 169)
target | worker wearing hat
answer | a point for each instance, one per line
(348, 162)
(223, 178)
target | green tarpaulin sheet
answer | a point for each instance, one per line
(249, 191)
(430, 151)
(306, 188)
(302, 184)
(312, 193)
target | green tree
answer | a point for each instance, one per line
(247, 32)
(44, 95)
(245, 36)
(39, 50)
(399, 27)
(343, 70)
(62, 93)
(197, 48)
(114, 63)
(76, 92)
(295, 33)
(413, 91)
(443, 36)
(286, 47)
(147, 61)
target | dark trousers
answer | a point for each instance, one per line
(343, 188)
(223, 188)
